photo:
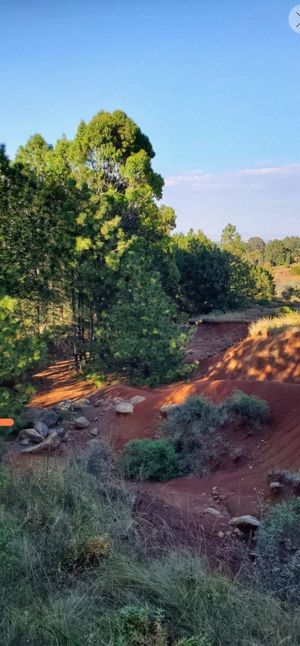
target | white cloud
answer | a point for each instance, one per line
(204, 180)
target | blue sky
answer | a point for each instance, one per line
(214, 84)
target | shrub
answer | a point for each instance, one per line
(278, 551)
(193, 429)
(150, 460)
(139, 626)
(248, 409)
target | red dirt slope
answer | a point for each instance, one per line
(258, 358)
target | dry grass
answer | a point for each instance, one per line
(246, 315)
(282, 323)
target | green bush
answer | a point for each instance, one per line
(149, 460)
(278, 551)
(193, 429)
(248, 409)
(139, 626)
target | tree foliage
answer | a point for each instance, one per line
(19, 352)
(139, 336)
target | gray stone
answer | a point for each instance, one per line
(82, 422)
(245, 521)
(213, 511)
(49, 417)
(137, 399)
(25, 441)
(65, 406)
(42, 428)
(59, 430)
(32, 434)
(93, 431)
(123, 407)
(275, 486)
(51, 442)
(79, 404)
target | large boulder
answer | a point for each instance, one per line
(123, 407)
(30, 434)
(51, 442)
(42, 428)
(47, 416)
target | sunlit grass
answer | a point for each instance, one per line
(282, 323)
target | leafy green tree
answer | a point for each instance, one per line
(277, 253)
(34, 155)
(231, 240)
(203, 270)
(256, 244)
(139, 337)
(37, 232)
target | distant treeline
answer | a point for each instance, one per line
(256, 250)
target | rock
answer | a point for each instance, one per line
(42, 428)
(221, 534)
(59, 430)
(105, 403)
(48, 417)
(25, 441)
(275, 486)
(213, 511)
(81, 403)
(124, 407)
(31, 434)
(51, 442)
(166, 410)
(82, 422)
(64, 406)
(137, 399)
(93, 431)
(245, 521)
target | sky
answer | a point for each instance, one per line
(215, 84)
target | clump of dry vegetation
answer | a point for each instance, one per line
(289, 321)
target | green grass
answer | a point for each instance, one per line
(74, 571)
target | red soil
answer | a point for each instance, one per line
(256, 366)
(259, 358)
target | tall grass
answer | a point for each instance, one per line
(73, 571)
(282, 323)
